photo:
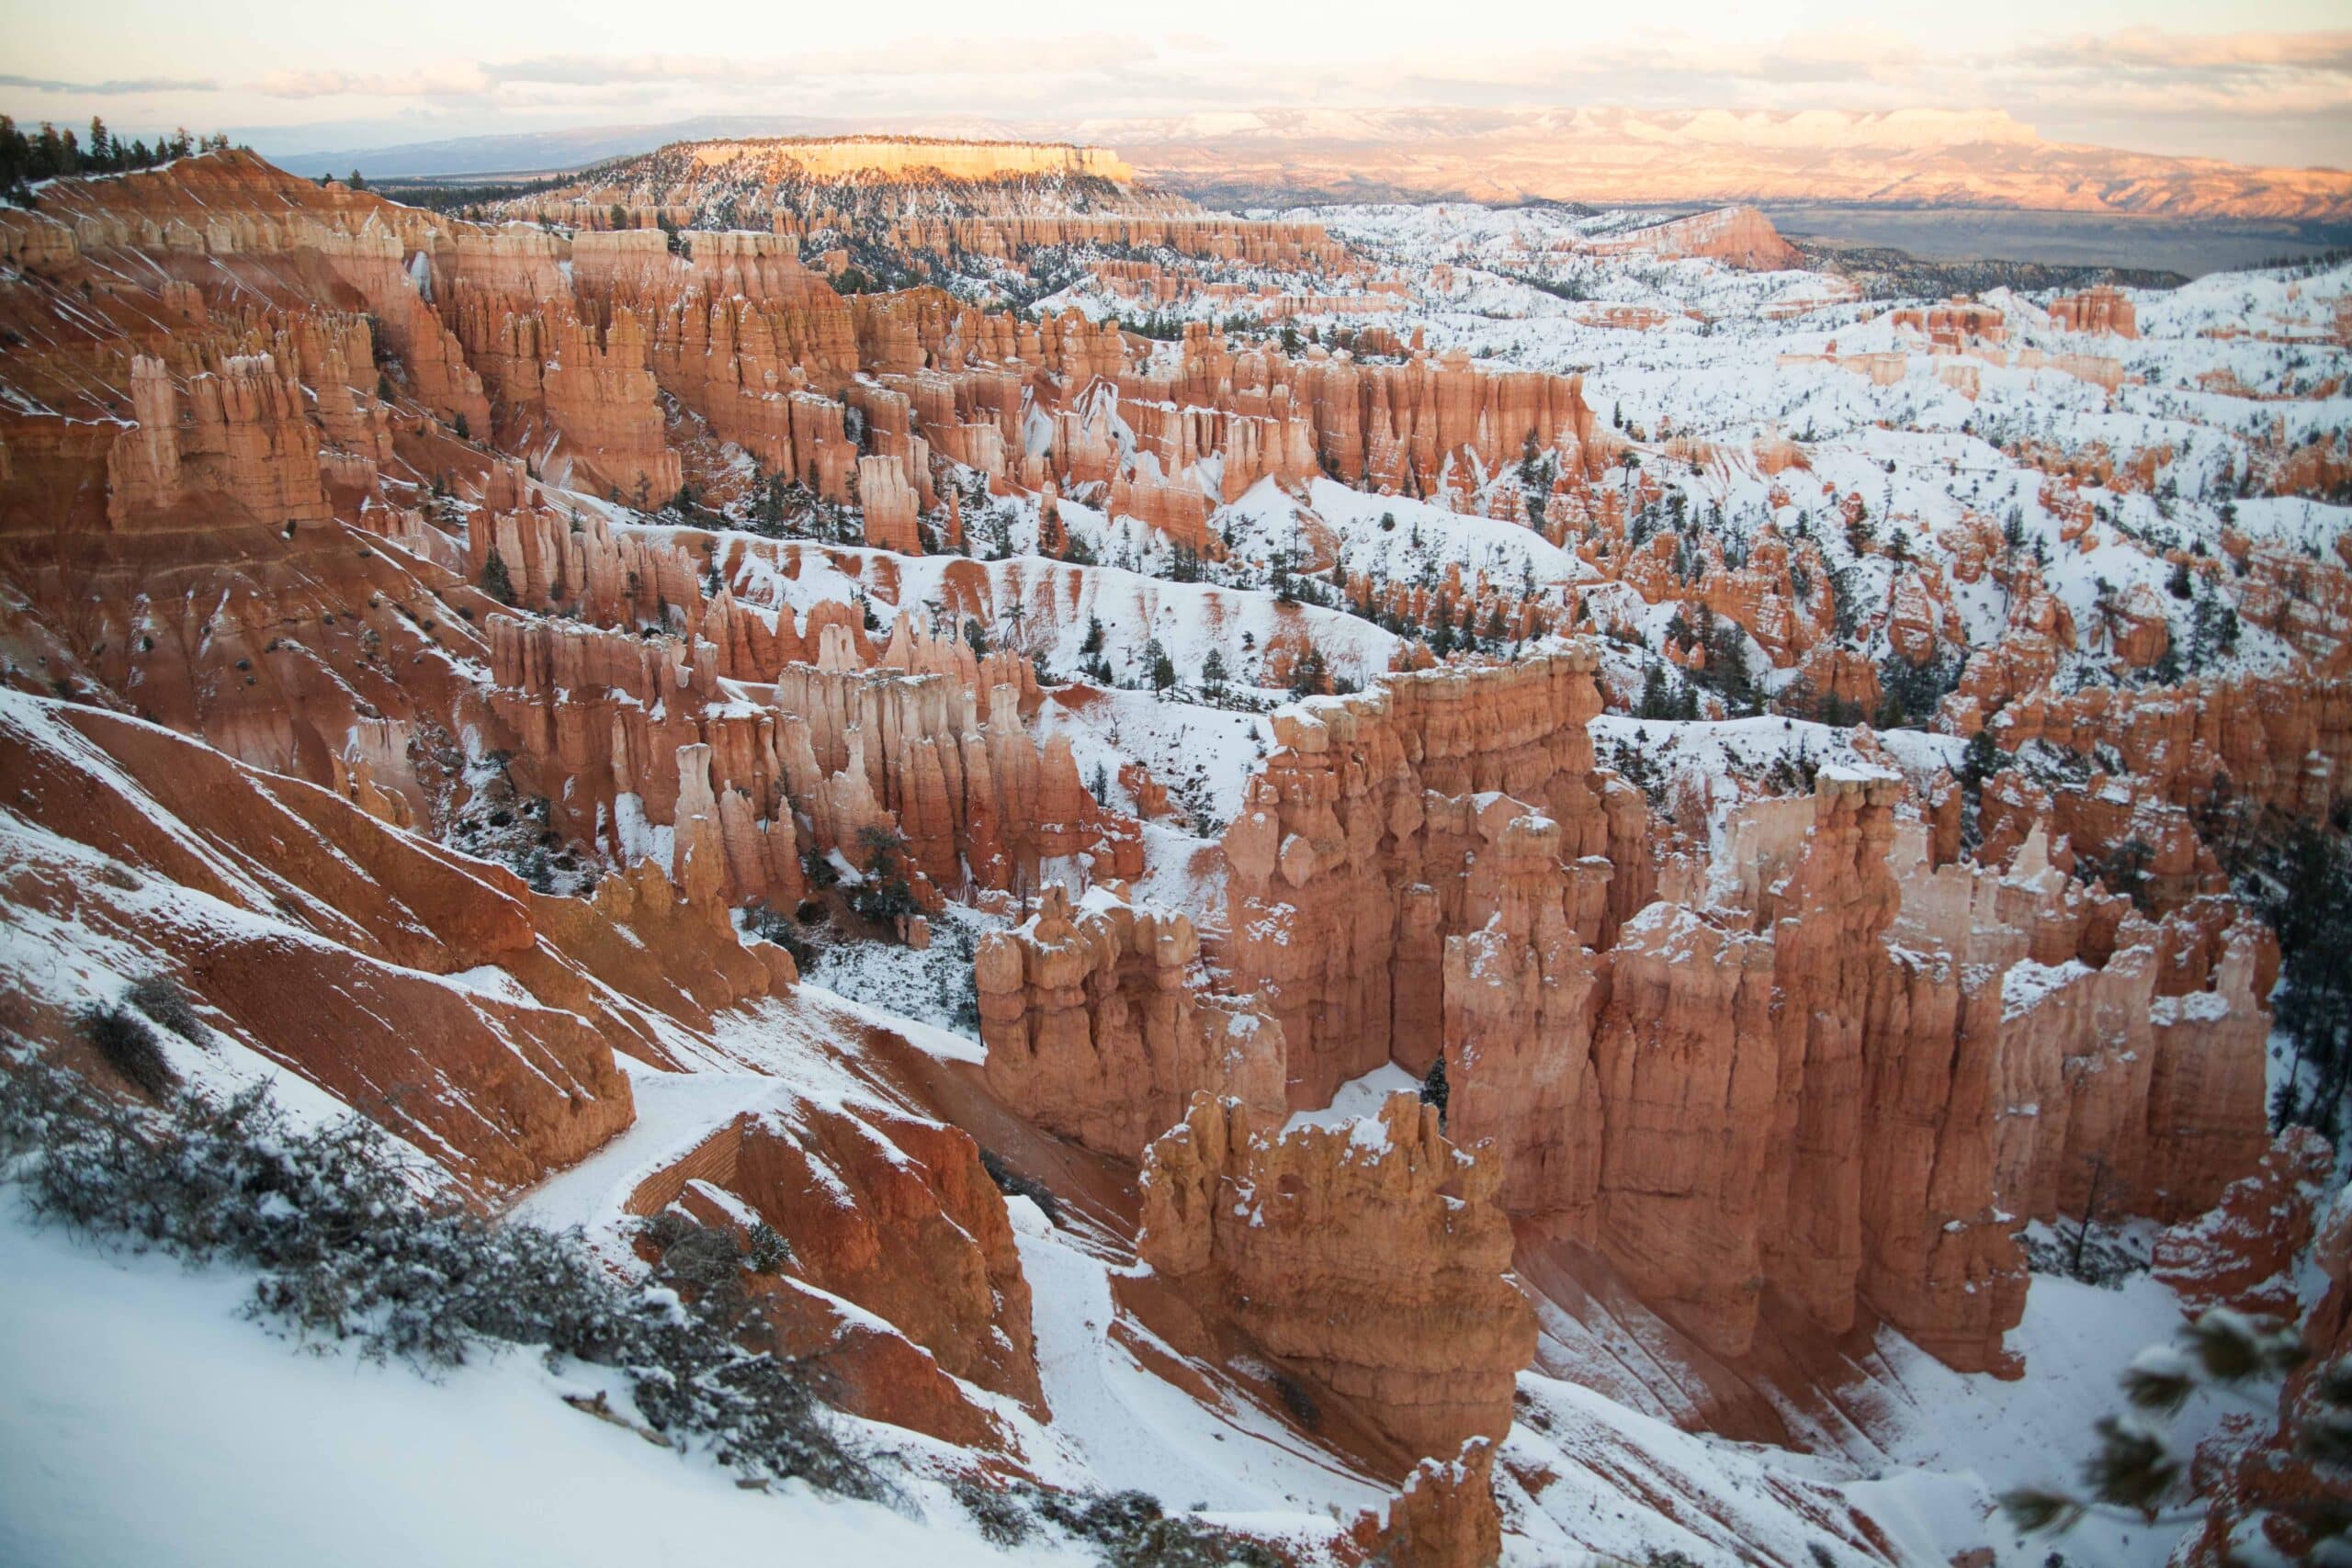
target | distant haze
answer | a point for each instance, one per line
(2264, 82)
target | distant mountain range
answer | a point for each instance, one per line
(1913, 158)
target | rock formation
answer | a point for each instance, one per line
(1100, 1026)
(1347, 869)
(2099, 308)
(1369, 1258)
(892, 1215)
(1818, 1064)
(1445, 1518)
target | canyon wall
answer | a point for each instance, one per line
(1812, 1061)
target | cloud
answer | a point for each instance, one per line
(112, 89)
(2141, 86)
(450, 80)
(2154, 48)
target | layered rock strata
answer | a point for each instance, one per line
(1369, 1258)
(1820, 1062)
(1100, 1025)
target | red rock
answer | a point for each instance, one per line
(1369, 1259)
(2242, 1253)
(1445, 1518)
(1102, 1029)
(2098, 308)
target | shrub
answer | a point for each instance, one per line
(1135, 1533)
(346, 1250)
(127, 1043)
(1013, 1184)
(1129, 1526)
(1298, 1401)
(161, 998)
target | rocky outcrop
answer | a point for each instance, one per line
(621, 734)
(309, 932)
(896, 1216)
(1445, 1517)
(1736, 236)
(1349, 867)
(2277, 741)
(2243, 1252)
(1368, 1258)
(246, 445)
(2099, 308)
(1100, 1025)
(1821, 1062)
(2263, 1489)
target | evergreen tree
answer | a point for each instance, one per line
(1434, 1090)
(1310, 675)
(494, 580)
(1657, 699)
(1213, 673)
(1982, 759)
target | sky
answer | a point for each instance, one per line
(2267, 81)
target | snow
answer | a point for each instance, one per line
(2027, 983)
(1357, 1098)
(2076, 1340)
(1936, 1449)
(1129, 1427)
(147, 1422)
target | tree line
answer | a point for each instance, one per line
(46, 153)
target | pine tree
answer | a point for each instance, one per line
(1982, 759)
(1434, 1090)
(494, 580)
(1213, 673)
(2137, 1476)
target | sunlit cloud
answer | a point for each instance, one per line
(2135, 86)
(112, 89)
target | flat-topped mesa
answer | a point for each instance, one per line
(1100, 1025)
(882, 155)
(1369, 1258)
(1736, 236)
(988, 199)
(1348, 868)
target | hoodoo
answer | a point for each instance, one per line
(1142, 879)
